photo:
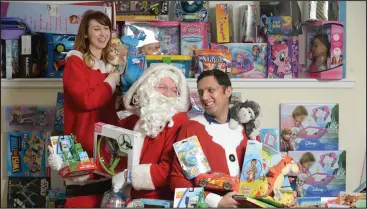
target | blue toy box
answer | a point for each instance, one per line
(191, 11)
(182, 62)
(187, 197)
(26, 154)
(325, 178)
(270, 137)
(59, 113)
(248, 59)
(317, 127)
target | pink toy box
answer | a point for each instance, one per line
(194, 35)
(167, 33)
(248, 59)
(324, 49)
(282, 56)
(309, 127)
(50, 18)
(325, 178)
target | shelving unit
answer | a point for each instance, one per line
(52, 83)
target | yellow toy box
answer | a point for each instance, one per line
(223, 16)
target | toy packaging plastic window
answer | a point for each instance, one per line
(28, 118)
(191, 11)
(247, 32)
(191, 157)
(166, 33)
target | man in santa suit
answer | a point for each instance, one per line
(223, 147)
(159, 100)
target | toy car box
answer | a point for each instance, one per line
(26, 154)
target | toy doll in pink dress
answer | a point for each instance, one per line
(299, 114)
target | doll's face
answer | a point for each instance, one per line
(287, 136)
(151, 49)
(245, 115)
(318, 48)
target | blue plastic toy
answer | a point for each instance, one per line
(134, 68)
(133, 41)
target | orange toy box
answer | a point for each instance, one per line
(223, 19)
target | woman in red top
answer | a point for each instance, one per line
(88, 98)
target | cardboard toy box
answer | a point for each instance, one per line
(224, 29)
(26, 154)
(75, 160)
(27, 192)
(112, 145)
(50, 18)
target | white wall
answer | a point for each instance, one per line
(352, 101)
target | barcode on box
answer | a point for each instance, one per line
(53, 10)
(26, 45)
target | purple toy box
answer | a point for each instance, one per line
(283, 56)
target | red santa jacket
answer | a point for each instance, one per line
(87, 100)
(150, 179)
(223, 147)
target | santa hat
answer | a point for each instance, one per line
(182, 87)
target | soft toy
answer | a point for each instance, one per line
(133, 41)
(134, 68)
(246, 113)
(113, 59)
(276, 177)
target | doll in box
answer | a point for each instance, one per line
(320, 51)
(245, 113)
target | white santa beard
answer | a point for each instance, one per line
(155, 112)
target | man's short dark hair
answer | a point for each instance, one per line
(221, 77)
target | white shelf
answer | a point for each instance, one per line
(56, 83)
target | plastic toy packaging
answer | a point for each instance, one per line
(197, 108)
(182, 62)
(191, 11)
(75, 160)
(209, 59)
(191, 157)
(248, 23)
(28, 118)
(113, 200)
(161, 37)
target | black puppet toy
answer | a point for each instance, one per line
(248, 113)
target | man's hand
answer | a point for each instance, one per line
(119, 181)
(228, 202)
(54, 160)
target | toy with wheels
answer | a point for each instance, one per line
(217, 181)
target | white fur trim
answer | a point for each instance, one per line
(213, 200)
(183, 88)
(227, 138)
(78, 180)
(98, 64)
(141, 178)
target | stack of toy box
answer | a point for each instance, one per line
(27, 135)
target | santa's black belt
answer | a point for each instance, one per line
(97, 188)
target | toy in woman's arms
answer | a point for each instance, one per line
(113, 59)
(248, 113)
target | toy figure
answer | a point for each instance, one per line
(280, 58)
(201, 201)
(134, 69)
(252, 171)
(113, 59)
(320, 51)
(246, 113)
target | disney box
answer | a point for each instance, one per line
(322, 173)
(270, 137)
(309, 127)
(283, 56)
(26, 154)
(187, 197)
(248, 59)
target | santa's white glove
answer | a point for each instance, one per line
(54, 160)
(255, 133)
(119, 181)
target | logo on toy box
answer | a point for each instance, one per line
(192, 29)
(15, 148)
(221, 31)
(317, 190)
(310, 144)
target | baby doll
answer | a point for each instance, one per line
(245, 113)
(320, 51)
